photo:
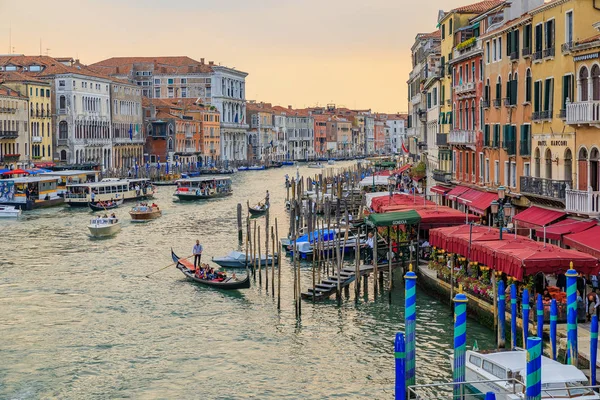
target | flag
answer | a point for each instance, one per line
(130, 132)
(404, 149)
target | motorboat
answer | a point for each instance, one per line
(237, 259)
(330, 244)
(101, 227)
(315, 165)
(508, 370)
(207, 187)
(9, 212)
(256, 168)
(143, 213)
(331, 162)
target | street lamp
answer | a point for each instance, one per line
(502, 208)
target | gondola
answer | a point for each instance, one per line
(258, 209)
(109, 206)
(188, 270)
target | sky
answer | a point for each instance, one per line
(297, 52)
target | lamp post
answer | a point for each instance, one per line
(502, 208)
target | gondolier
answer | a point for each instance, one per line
(197, 254)
(267, 198)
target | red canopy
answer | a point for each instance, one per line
(16, 172)
(482, 202)
(457, 191)
(468, 196)
(586, 241)
(565, 227)
(398, 199)
(44, 164)
(537, 217)
(439, 190)
(443, 216)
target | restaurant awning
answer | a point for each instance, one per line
(457, 191)
(586, 241)
(398, 199)
(16, 172)
(44, 164)
(537, 217)
(403, 168)
(409, 217)
(482, 202)
(439, 190)
(565, 227)
(468, 196)
(443, 216)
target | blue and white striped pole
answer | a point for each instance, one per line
(400, 355)
(553, 322)
(460, 342)
(572, 314)
(513, 316)
(525, 315)
(533, 382)
(501, 315)
(410, 322)
(540, 317)
(593, 350)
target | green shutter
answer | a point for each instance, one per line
(537, 96)
(565, 90)
(547, 95)
(449, 117)
(442, 118)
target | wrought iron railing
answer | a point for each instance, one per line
(544, 187)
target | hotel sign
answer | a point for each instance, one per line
(556, 143)
(585, 57)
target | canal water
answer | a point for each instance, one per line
(79, 319)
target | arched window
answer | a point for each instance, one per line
(499, 89)
(170, 144)
(514, 90)
(466, 122)
(63, 155)
(583, 84)
(63, 130)
(595, 82)
(460, 116)
(49, 152)
(62, 101)
(568, 166)
(548, 157)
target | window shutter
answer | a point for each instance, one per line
(513, 91)
(537, 96)
(516, 41)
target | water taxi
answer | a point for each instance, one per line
(203, 188)
(29, 192)
(508, 369)
(109, 189)
(72, 177)
(101, 227)
(144, 212)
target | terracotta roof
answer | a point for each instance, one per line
(160, 65)
(51, 66)
(6, 91)
(14, 76)
(479, 7)
(164, 115)
(507, 25)
(435, 34)
(589, 40)
(262, 107)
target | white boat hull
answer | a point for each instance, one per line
(9, 212)
(100, 230)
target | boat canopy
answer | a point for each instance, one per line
(409, 217)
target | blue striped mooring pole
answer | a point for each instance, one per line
(533, 382)
(525, 315)
(593, 350)
(400, 355)
(460, 342)
(501, 315)
(540, 317)
(513, 316)
(410, 322)
(572, 351)
(553, 322)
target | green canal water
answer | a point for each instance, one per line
(79, 320)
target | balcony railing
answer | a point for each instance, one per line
(441, 139)
(442, 176)
(586, 202)
(544, 187)
(9, 134)
(541, 115)
(36, 139)
(497, 103)
(526, 52)
(464, 88)
(511, 147)
(189, 135)
(514, 56)
(486, 104)
(8, 110)
(62, 111)
(583, 112)
(537, 55)
(462, 137)
(562, 113)
(566, 47)
(506, 101)
(549, 52)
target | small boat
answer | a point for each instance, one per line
(287, 163)
(331, 162)
(237, 259)
(258, 209)
(558, 380)
(9, 212)
(256, 168)
(242, 168)
(105, 205)
(142, 213)
(100, 227)
(315, 165)
(230, 283)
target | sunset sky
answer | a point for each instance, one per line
(301, 53)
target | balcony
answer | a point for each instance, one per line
(36, 139)
(8, 110)
(462, 137)
(486, 104)
(562, 113)
(9, 134)
(497, 103)
(189, 135)
(62, 111)
(466, 48)
(550, 188)
(511, 147)
(585, 202)
(549, 52)
(465, 88)
(526, 52)
(566, 47)
(541, 115)
(537, 55)
(583, 112)
(441, 139)
(442, 176)
(416, 99)
(506, 101)
(125, 140)
(514, 56)
(62, 142)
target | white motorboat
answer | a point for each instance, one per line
(331, 162)
(508, 368)
(237, 259)
(315, 165)
(100, 227)
(9, 212)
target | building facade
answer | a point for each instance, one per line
(13, 128)
(127, 125)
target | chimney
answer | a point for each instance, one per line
(211, 63)
(117, 70)
(289, 107)
(202, 61)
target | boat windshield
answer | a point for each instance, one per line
(565, 390)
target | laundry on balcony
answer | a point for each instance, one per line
(586, 241)
(565, 227)
(537, 217)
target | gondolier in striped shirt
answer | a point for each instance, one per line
(197, 254)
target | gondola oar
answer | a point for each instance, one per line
(170, 265)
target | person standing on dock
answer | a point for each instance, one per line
(368, 249)
(197, 251)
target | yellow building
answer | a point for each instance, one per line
(556, 27)
(38, 143)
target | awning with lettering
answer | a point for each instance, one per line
(409, 217)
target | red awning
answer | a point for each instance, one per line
(536, 217)
(586, 241)
(443, 216)
(457, 191)
(468, 196)
(440, 190)
(398, 199)
(482, 202)
(44, 164)
(403, 168)
(565, 227)
(16, 172)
